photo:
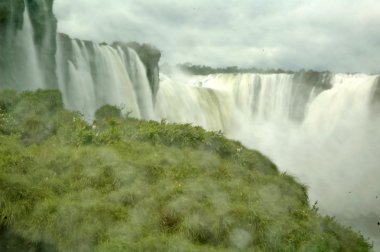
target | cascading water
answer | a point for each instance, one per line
(89, 75)
(94, 75)
(332, 147)
(140, 83)
(32, 65)
(185, 104)
(21, 68)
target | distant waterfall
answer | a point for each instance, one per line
(347, 103)
(182, 103)
(327, 135)
(228, 99)
(94, 75)
(89, 75)
(262, 96)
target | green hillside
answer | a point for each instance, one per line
(122, 184)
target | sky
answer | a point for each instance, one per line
(338, 35)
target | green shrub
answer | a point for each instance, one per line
(107, 112)
(41, 103)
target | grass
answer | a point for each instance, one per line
(122, 184)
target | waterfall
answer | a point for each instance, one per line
(320, 127)
(347, 102)
(32, 65)
(258, 95)
(89, 75)
(92, 75)
(332, 145)
(140, 83)
(180, 103)
(20, 66)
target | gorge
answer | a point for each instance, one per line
(322, 128)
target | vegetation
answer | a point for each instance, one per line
(122, 184)
(206, 70)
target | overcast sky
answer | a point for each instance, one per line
(336, 35)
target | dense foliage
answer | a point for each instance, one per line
(122, 184)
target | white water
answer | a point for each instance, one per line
(334, 149)
(101, 74)
(181, 103)
(137, 73)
